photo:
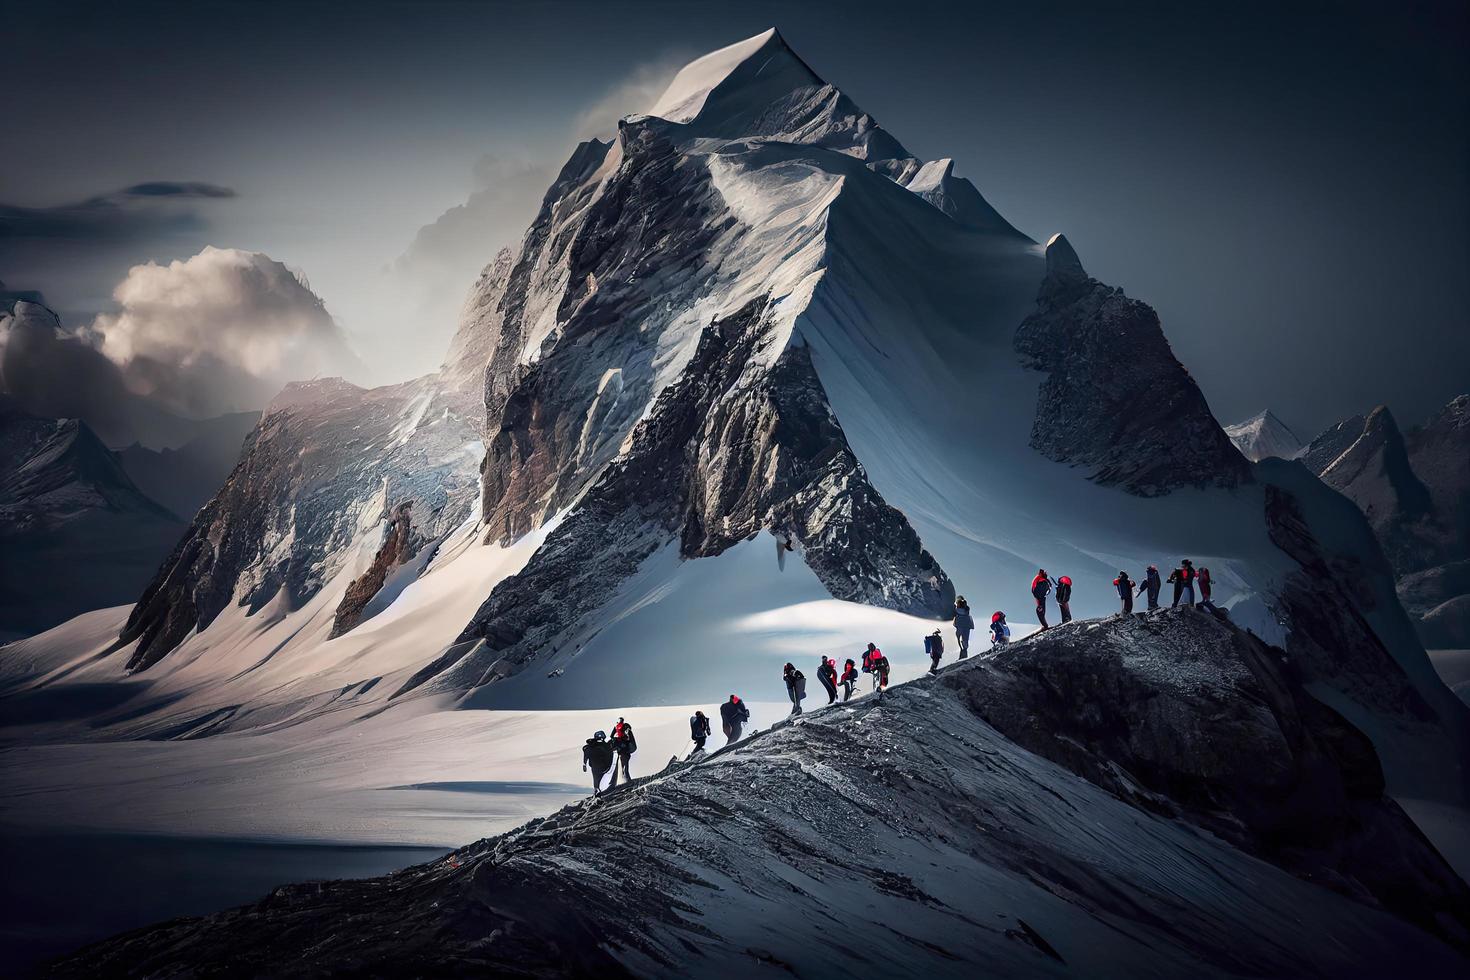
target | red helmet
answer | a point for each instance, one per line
(997, 617)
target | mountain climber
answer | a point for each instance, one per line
(1154, 586)
(1187, 567)
(827, 674)
(1176, 579)
(1040, 589)
(880, 672)
(1205, 602)
(1000, 630)
(698, 731)
(733, 714)
(624, 744)
(1124, 585)
(934, 647)
(598, 754)
(871, 654)
(964, 625)
(795, 686)
(848, 679)
(1064, 597)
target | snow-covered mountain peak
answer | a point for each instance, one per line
(1264, 435)
(761, 89)
(757, 67)
(1061, 259)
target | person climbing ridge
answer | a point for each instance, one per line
(827, 674)
(849, 679)
(934, 647)
(1000, 630)
(964, 625)
(1176, 579)
(795, 686)
(698, 731)
(624, 744)
(1186, 569)
(880, 672)
(1040, 589)
(1154, 586)
(1205, 602)
(1064, 597)
(870, 656)
(598, 754)
(733, 715)
(1124, 585)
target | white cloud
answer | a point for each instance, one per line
(637, 93)
(221, 331)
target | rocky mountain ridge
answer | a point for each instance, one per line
(75, 531)
(1414, 489)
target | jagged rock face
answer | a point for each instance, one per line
(1415, 492)
(1184, 715)
(75, 532)
(1115, 400)
(327, 463)
(728, 449)
(400, 543)
(914, 821)
(640, 270)
(1375, 474)
(1322, 451)
(563, 417)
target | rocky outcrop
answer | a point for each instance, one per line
(1115, 400)
(728, 450)
(1182, 714)
(918, 816)
(400, 543)
(327, 463)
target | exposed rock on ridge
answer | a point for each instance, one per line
(327, 463)
(972, 849)
(1115, 400)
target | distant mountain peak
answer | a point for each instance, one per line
(1263, 435)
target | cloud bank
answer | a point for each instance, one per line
(219, 332)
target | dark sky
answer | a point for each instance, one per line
(1285, 182)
